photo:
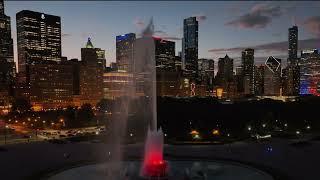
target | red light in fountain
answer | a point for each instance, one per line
(155, 169)
(154, 165)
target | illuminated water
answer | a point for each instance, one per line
(179, 170)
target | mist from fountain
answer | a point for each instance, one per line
(144, 73)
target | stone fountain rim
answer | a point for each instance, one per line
(274, 173)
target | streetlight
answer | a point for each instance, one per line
(62, 121)
(5, 134)
(308, 127)
(264, 125)
(249, 128)
(297, 132)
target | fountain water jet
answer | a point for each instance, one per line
(145, 72)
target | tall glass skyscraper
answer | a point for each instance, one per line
(292, 70)
(190, 45)
(248, 70)
(124, 51)
(293, 44)
(38, 38)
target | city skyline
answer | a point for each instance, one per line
(264, 24)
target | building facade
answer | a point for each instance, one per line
(7, 65)
(310, 73)
(51, 85)
(272, 77)
(206, 72)
(90, 75)
(38, 39)
(190, 45)
(247, 61)
(164, 54)
(293, 44)
(124, 51)
(116, 84)
(259, 80)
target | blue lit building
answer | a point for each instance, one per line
(310, 73)
(124, 51)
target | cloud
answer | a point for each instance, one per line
(139, 23)
(200, 17)
(312, 24)
(164, 35)
(269, 48)
(276, 34)
(259, 17)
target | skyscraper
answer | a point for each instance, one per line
(6, 42)
(38, 38)
(248, 71)
(259, 80)
(7, 65)
(165, 54)
(92, 55)
(292, 72)
(124, 51)
(310, 73)
(91, 75)
(225, 70)
(272, 76)
(293, 44)
(206, 72)
(190, 45)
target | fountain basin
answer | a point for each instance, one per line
(178, 170)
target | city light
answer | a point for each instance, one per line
(308, 127)
(297, 132)
(264, 125)
(215, 132)
(249, 128)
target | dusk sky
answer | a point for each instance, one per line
(225, 27)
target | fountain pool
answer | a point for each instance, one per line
(179, 170)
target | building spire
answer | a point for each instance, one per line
(89, 43)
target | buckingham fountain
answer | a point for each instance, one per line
(153, 165)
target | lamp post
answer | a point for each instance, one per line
(5, 133)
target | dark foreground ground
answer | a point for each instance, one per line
(284, 159)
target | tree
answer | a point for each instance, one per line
(85, 113)
(21, 105)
